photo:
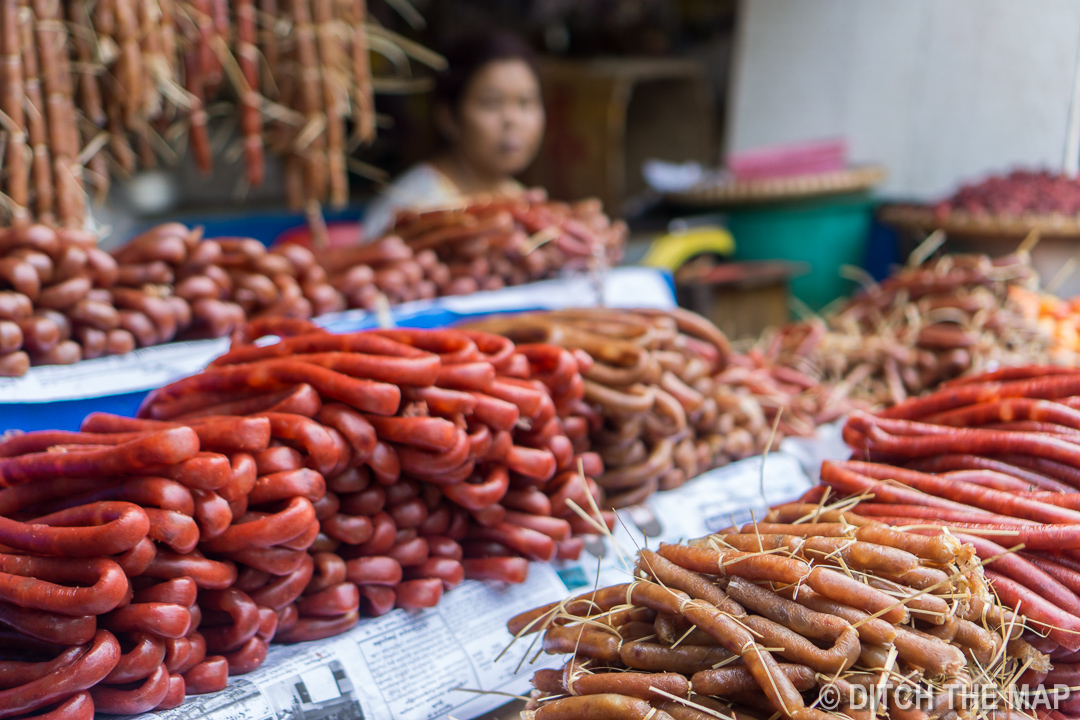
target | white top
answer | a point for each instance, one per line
(422, 186)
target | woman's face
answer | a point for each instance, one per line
(500, 121)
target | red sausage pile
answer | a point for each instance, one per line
(62, 299)
(1020, 192)
(212, 286)
(924, 324)
(995, 459)
(388, 267)
(484, 246)
(488, 245)
(51, 306)
(276, 496)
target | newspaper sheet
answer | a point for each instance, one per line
(452, 661)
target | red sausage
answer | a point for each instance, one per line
(277, 459)
(288, 484)
(209, 676)
(506, 569)
(307, 629)
(159, 448)
(284, 590)
(475, 496)
(244, 616)
(354, 426)
(330, 602)
(410, 552)
(29, 581)
(373, 570)
(164, 619)
(145, 697)
(292, 521)
(351, 529)
(181, 591)
(450, 572)
(248, 658)
(385, 463)
(425, 593)
(308, 433)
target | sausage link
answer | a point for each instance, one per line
(425, 593)
(286, 589)
(14, 364)
(355, 427)
(244, 614)
(48, 627)
(158, 448)
(277, 459)
(209, 676)
(181, 591)
(505, 569)
(30, 582)
(351, 529)
(102, 528)
(11, 337)
(385, 463)
(373, 570)
(276, 561)
(174, 696)
(449, 571)
(17, 672)
(264, 532)
(288, 484)
(330, 602)
(93, 341)
(40, 334)
(146, 654)
(307, 629)
(329, 570)
(207, 573)
(15, 306)
(247, 658)
(310, 434)
(364, 395)
(196, 654)
(94, 665)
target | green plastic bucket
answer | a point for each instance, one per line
(826, 233)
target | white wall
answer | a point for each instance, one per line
(940, 91)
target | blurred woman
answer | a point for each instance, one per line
(490, 115)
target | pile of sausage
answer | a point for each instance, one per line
(921, 326)
(801, 616)
(276, 496)
(224, 281)
(1021, 192)
(994, 460)
(62, 299)
(669, 399)
(65, 300)
(388, 268)
(650, 418)
(94, 89)
(491, 244)
(55, 306)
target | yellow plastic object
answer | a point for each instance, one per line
(672, 250)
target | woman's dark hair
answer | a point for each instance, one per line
(467, 53)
